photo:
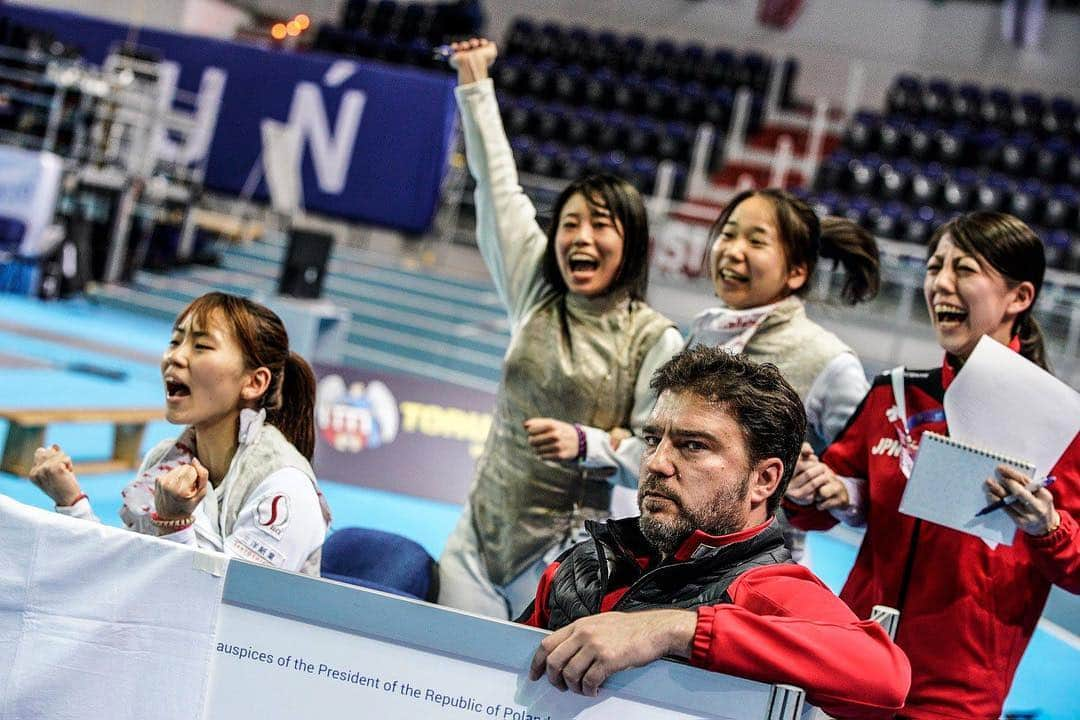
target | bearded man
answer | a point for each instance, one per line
(703, 574)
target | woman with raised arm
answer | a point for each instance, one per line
(967, 611)
(238, 480)
(583, 347)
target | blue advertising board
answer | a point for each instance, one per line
(375, 138)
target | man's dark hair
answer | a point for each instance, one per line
(766, 407)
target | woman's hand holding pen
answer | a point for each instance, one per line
(1033, 512)
(814, 483)
(472, 58)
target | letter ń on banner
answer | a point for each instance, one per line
(330, 153)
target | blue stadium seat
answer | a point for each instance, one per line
(546, 158)
(538, 79)
(1058, 248)
(520, 38)
(628, 94)
(951, 144)
(861, 133)
(523, 147)
(716, 108)
(1050, 159)
(1016, 154)
(599, 88)
(895, 178)
(569, 84)
(719, 70)
(689, 102)
(959, 189)
(382, 561)
(1028, 111)
(642, 136)
(675, 141)
(510, 74)
(919, 223)
(904, 96)
(518, 115)
(966, 102)
(993, 193)
(936, 98)
(884, 220)
(892, 136)
(1059, 115)
(920, 139)
(643, 173)
(612, 132)
(1026, 200)
(996, 108)
(864, 174)
(833, 172)
(1062, 206)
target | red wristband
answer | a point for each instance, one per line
(81, 496)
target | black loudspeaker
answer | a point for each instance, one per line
(305, 264)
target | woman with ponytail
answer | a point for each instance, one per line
(967, 610)
(238, 480)
(762, 253)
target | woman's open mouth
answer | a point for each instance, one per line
(582, 264)
(949, 315)
(175, 390)
(729, 275)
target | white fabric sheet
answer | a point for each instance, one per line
(98, 622)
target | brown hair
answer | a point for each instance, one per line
(289, 400)
(765, 406)
(1012, 248)
(805, 239)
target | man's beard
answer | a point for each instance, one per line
(721, 517)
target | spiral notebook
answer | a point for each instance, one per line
(946, 487)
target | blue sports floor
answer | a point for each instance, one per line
(40, 341)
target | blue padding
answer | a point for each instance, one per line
(378, 559)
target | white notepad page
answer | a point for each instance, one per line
(946, 487)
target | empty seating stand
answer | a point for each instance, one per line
(941, 148)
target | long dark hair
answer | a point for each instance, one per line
(1012, 248)
(623, 201)
(290, 398)
(805, 238)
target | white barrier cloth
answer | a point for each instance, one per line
(98, 622)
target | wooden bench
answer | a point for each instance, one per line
(26, 433)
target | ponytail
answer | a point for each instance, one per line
(1032, 346)
(851, 245)
(293, 412)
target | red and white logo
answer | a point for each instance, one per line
(272, 514)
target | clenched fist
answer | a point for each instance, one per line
(179, 491)
(52, 472)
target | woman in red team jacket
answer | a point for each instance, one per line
(967, 611)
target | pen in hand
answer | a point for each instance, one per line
(1010, 499)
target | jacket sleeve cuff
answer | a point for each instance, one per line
(701, 646)
(1057, 541)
